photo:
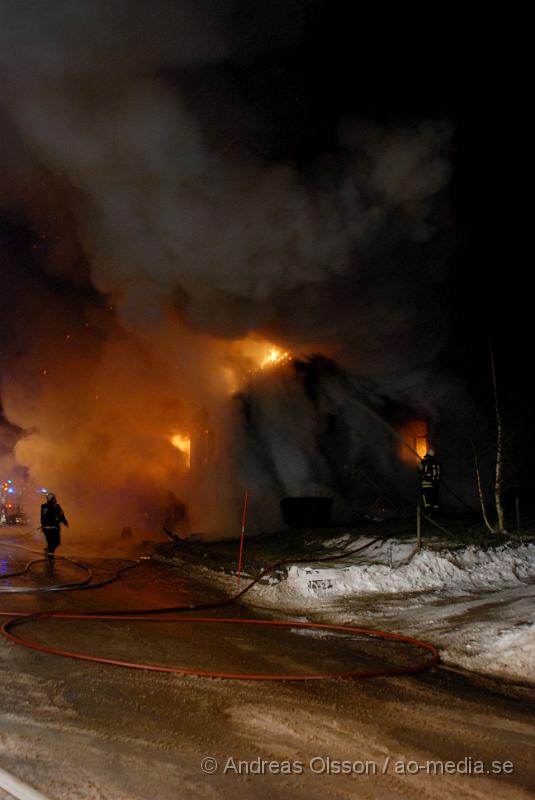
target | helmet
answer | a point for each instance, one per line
(430, 451)
(50, 496)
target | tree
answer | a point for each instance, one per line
(499, 527)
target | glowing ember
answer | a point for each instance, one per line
(260, 353)
(415, 435)
(276, 356)
(182, 443)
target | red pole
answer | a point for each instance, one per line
(244, 516)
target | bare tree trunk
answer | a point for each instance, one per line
(480, 491)
(500, 525)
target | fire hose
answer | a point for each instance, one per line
(174, 615)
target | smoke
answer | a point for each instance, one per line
(145, 235)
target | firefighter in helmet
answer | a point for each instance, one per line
(52, 517)
(429, 474)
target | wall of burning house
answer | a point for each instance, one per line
(313, 430)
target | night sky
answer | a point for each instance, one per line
(156, 155)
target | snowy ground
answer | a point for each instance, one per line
(477, 605)
(84, 731)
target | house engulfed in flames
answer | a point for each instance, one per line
(198, 445)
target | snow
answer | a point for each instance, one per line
(475, 604)
(470, 569)
(506, 653)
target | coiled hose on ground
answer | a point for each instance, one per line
(175, 614)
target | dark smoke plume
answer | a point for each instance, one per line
(153, 238)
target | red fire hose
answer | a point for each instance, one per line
(148, 615)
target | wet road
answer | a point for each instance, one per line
(80, 730)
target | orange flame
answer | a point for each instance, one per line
(182, 443)
(415, 435)
(276, 356)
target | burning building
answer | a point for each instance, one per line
(204, 310)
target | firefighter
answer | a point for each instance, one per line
(52, 517)
(429, 473)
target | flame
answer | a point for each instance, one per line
(257, 353)
(182, 443)
(276, 356)
(415, 435)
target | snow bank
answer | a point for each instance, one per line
(471, 569)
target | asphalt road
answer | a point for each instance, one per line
(80, 730)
